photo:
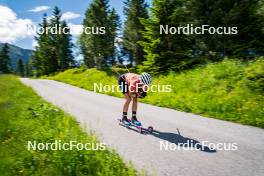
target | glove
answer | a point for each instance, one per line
(142, 94)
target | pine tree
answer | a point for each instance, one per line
(41, 56)
(28, 68)
(246, 15)
(66, 59)
(20, 68)
(61, 41)
(113, 27)
(98, 48)
(5, 60)
(175, 52)
(250, 35)
(54, 49)
(56, 45)
(134, 10)
(165, 51)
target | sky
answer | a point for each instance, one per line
(16, 15)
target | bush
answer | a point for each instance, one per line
(254, 75)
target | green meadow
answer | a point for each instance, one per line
(230, 90)
(24, 117)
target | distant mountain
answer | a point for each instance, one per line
(16, 53)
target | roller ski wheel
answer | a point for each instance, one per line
(150, 129)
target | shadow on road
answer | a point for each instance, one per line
(182, 141)
(177, 139)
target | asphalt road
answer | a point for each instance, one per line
(178, 131)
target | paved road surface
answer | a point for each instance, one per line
(100, 112)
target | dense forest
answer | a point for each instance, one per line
(139, 42)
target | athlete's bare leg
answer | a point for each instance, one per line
(127, 102)
(134, 104)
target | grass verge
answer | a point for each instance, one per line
(24, 117)
(229, 90)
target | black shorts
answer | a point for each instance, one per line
(123, 84)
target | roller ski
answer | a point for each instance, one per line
(133, 123)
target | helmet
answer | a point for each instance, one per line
(146, 78)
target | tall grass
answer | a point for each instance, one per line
(230, 90)
(24, 117)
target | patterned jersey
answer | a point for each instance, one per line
(133, 80)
